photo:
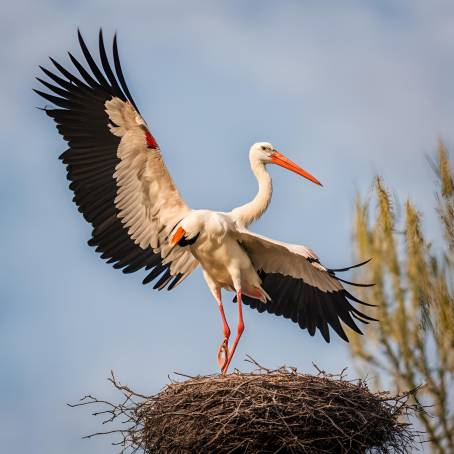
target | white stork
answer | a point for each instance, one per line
(123, 189)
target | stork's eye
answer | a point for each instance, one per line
(263, 147)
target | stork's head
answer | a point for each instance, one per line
(265, 153)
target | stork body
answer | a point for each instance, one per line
(225, 263)
(122, 187)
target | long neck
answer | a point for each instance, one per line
(248, 213)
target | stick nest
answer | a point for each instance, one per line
(264, 411)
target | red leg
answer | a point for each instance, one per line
(240, 330)
(224, 321)
(223, 350)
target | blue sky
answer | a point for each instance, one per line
(346, 89)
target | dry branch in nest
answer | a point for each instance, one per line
(264, 411)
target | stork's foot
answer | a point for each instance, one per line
(223, 354)
(226, 364)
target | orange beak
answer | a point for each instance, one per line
(177, 236)
(286, 163)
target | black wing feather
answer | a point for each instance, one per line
(91, 63)
(107, 69)
(119, 72)
(309, 306)
(83, 72)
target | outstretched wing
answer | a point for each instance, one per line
(300, 287)
(120, 182)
